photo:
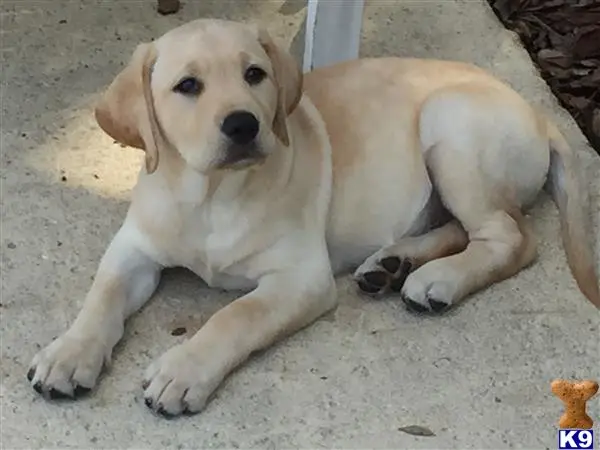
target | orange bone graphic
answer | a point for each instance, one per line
(575, 395)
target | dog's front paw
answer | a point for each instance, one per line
(179, 382)
(68, 367)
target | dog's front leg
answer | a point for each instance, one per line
(185, 376)
(125, 280)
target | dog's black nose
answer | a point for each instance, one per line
(241, 127)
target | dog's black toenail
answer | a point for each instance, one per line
(81, 391)
(414, 306)
(391, 264)
(437, 306)
(376, 278)
(148, 402)
(161, 411)
(368, 288)
(55, 394)
(145, 384)
(30, 374)
(37, 387)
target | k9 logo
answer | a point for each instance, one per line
(575, 439)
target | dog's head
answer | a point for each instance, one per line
(218, 92)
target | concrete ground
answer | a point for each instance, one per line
(477, 378)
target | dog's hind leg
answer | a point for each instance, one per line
(498, 248)
(500, 241)
(487, 157)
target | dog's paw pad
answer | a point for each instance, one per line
(388, 274)
(368, 288)
(374, 282)
(377, 278)
(391, 264)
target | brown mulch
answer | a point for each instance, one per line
(563, 39)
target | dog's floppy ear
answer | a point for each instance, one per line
(126, 110)
(288, 78)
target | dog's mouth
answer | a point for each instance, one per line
(238, 157)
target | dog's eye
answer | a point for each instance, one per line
(189, 86)
(254, 75)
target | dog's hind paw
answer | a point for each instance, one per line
(430, 305)
(423, 294)
(380, 276)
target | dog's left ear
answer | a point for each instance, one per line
(288, 79)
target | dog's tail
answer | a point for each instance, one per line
(566, 190)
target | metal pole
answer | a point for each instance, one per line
(332, 32)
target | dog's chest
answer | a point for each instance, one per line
(210, 238)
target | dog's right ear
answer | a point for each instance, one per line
(126, 110)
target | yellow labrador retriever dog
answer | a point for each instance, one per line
(412, 173)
